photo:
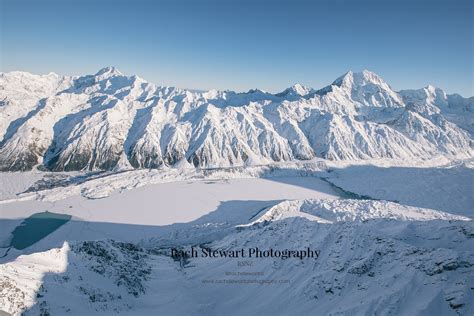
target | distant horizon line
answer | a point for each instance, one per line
(199, 90)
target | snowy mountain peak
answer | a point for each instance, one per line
(300, 89)
(256, 90)
(295, 90)
(25, 76)
(108, 71)
(428, 96)
(53, 74)
(435, 92)
(366, 88)
(354, 80)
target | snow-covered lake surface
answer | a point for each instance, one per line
(154, 205)
(175, 202)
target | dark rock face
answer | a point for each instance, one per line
(125, 263)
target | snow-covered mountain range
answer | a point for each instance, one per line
(110, 120)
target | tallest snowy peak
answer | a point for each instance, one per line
(357, 79)
(366, 88)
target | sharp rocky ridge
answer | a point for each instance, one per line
(109, 120)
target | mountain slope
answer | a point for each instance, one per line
(96, 122)
(432, 101)
(372, 256)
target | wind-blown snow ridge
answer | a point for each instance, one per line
(112, 121)
(331, 211)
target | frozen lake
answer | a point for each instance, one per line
(177, 202)
(137, 213)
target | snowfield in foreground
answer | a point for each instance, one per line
(374, 255)
(414, 255)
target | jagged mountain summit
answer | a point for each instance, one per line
(110, 120)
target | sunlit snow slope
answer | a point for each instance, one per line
(110, 120)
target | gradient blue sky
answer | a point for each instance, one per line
(245, 44)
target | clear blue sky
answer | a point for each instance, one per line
(245, 44)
